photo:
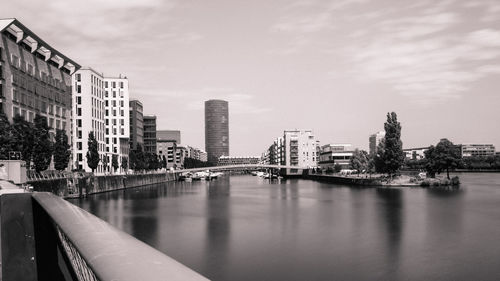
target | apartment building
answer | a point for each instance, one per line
(88, 116)
(117, 120)
(35, 78)
(149, 133)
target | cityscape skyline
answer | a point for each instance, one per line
(283, 56)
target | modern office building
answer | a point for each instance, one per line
(116, 118)
(88, 116)
(477, 150)
(136, 124)
(35, 78)
(216, 129)
(236, 160)
(168, 135)
(415, 153)
(150, 133)
(166, 146)
(374, 141)
(333, 154)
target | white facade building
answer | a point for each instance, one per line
(88, 116)
(117, 120)
(300, 148)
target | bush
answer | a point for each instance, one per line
(455, 180)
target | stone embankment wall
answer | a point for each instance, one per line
(96, 184)
(344, 180)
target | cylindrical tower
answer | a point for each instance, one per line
(216, 129)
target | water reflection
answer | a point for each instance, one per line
(391, 215)
(246, 228)
(218, 227)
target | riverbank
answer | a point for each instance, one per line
(384, 181)
(83, 186)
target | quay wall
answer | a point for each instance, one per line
(72, 187)
(344, 180)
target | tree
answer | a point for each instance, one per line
(92, 152)
(359, 160)
(42, 147)
(23, 138)
(337, 168)
(124, 164)
(164, 161)
(443, 157)
(114, 162)
(105, 161)
(393, 156)
(61, 151)
(133, 159)
(5, 137)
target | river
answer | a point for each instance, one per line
(246, 228)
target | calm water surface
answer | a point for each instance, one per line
(245, 228)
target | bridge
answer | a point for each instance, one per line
(239, 167)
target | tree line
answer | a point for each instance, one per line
(32, 141)
(389, 157)
(137, 159)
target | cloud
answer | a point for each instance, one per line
(239, 103)
(427, 51)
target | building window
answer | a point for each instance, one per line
(79, 145)
(78, 111)
(78, 77)
(79, 89)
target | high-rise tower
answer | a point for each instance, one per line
(216, 129)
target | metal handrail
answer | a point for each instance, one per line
(110, 254)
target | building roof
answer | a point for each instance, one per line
(24, 34)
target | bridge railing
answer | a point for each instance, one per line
(72, 244)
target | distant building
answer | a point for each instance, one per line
(374, 141)
(300, 148)
(235, 160)
(34, 78)
(116, 117)
(415, 153)
(477, 150)
(197, 154)
(149, 133)
(136, 124)
(166, 146)
(332, 154)
(216, 129)
(168, 135)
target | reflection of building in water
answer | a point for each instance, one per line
(391, 214)
(218, 227)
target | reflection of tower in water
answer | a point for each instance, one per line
(218, 227)
(144, 214)
(391, 213)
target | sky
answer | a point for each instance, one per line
(335, 67)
